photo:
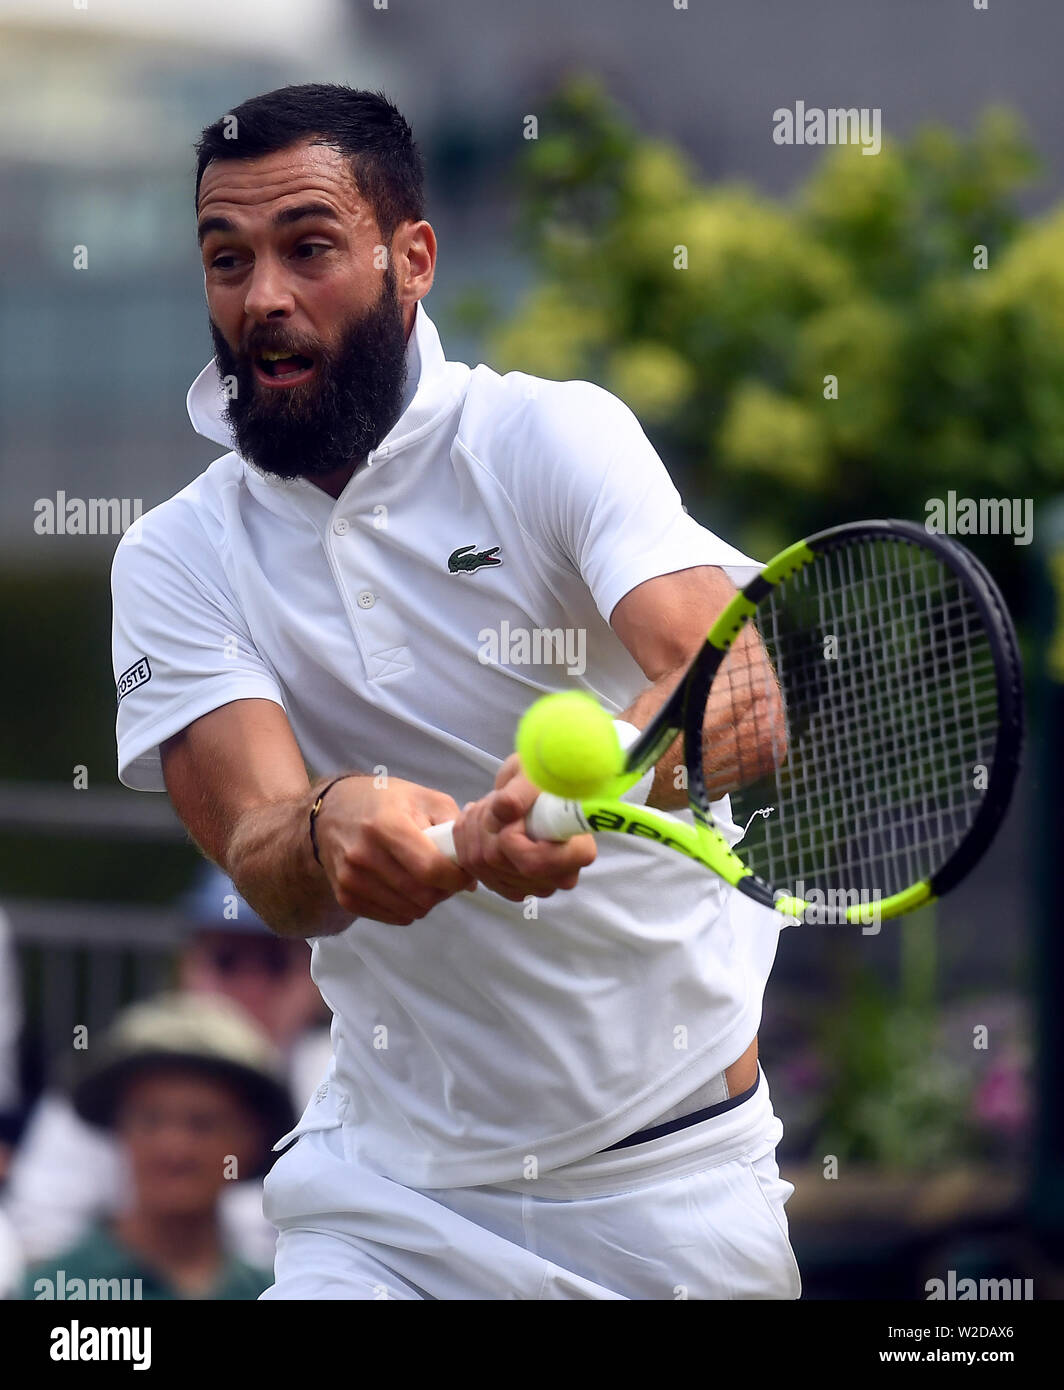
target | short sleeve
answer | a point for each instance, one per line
(615, 510)
(180, 646)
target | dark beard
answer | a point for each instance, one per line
(332, 421)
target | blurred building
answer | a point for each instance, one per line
(99, 108)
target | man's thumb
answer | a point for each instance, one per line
(508, 804)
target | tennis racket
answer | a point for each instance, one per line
(860, 704)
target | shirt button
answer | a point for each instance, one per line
(341, 526)
(366, 599)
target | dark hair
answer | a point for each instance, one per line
(365, 126)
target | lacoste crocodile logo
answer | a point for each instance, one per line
(462, 562)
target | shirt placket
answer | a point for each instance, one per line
(358, 566)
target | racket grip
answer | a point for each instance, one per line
(442, 838)
(551, 818)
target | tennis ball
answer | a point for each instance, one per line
(568, 745)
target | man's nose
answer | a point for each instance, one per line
(268, 296)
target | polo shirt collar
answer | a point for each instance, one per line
(426, 365)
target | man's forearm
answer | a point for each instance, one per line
(270, 859)
(664, 795)
(743, 732)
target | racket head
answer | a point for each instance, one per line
(879, 745)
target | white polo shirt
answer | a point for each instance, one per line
(476, 1037)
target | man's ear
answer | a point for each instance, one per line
(415, 243)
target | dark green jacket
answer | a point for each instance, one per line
(96, 1267)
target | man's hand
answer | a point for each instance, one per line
(490, 842)
(237, 779)
(378, 862)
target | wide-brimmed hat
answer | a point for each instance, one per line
(208, 1034)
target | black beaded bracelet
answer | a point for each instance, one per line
(317, 807)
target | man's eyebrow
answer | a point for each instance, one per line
(322, 211)
(213, 224)
(284, 218)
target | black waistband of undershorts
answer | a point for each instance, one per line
(644, 1136)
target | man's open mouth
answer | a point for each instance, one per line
(280, 365)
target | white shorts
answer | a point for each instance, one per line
(696, 1214)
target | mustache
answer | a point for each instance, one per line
(257, 344)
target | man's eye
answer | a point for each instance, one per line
(312, 247)
(225, 262)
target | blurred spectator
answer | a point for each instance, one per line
(11, 1261)
(10, 1027)
(66, 1173)
(193, 1092)
(233, 952)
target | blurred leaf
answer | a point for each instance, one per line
(766, 433)
(552, 338)
(653, 379)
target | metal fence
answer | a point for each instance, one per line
(80, 962)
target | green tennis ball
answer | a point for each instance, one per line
(568, 745)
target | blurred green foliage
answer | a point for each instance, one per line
(717, 314)
(57, 702)
(894, 1096)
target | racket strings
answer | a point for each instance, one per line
(885, 679)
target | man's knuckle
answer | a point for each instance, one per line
(347, 881)
(354, 861)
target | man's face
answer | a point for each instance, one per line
(293, 265)
(179, 1131)
(267, 975)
